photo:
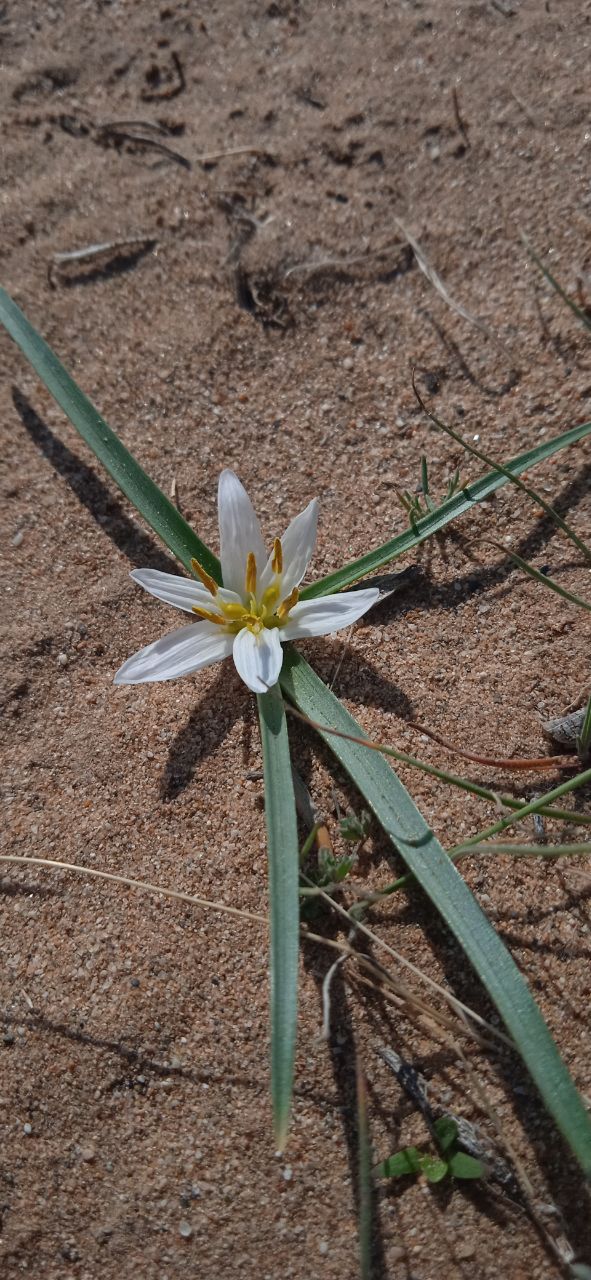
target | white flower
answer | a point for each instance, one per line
(256, 609)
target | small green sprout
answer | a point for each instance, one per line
(353, 828)
(420, 504)
(449, 1163)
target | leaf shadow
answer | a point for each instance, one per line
(90, 489)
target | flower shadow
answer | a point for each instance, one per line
(204, 731)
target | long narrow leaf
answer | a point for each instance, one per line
(159, 512)
(436, 873)
(283, 854)
(449, 510)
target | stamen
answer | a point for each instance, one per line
(251, 574)
(277, 561)
(208, 615)
(206, 578)
(288, 604)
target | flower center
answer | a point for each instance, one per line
(256, 610)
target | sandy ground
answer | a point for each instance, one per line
(269, 323)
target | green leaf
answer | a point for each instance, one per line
(434, 1169)
(462, 1165)
(577, 311)
(429, 524)
(283, 854)
(438, 876)
(157, 510)
(400, 1165)
(446, 1132)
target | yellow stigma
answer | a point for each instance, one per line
(277, 561)
(288, 604)
(206, 578)
(209, 615)
(250, 582)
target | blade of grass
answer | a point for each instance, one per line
(283, 854)
(524, 810)
(527, 850)
(449, 510)
(520, 813)
(548, 582)
(437, 875)
(160, 513)
(584, 319)
(505, 471)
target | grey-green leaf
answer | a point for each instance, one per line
(438, 876)
(283, 854)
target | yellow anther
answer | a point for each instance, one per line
(250, 582)
(288, 604)
(208, 615)
(277, 561)
(206, 578)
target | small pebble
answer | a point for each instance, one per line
(28, 1129)
(185, 1230)
(18, 537)
(62, 659)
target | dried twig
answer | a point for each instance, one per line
(435, 280)
(80, 257)
(503, 762)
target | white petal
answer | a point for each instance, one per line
(297, 545)
(239, 532)
(327, 613)
(183, 593)
(258, 658)
(177, 654)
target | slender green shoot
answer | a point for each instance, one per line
(547, 851)
(507, 472)
(577, 311)
(544, 578)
